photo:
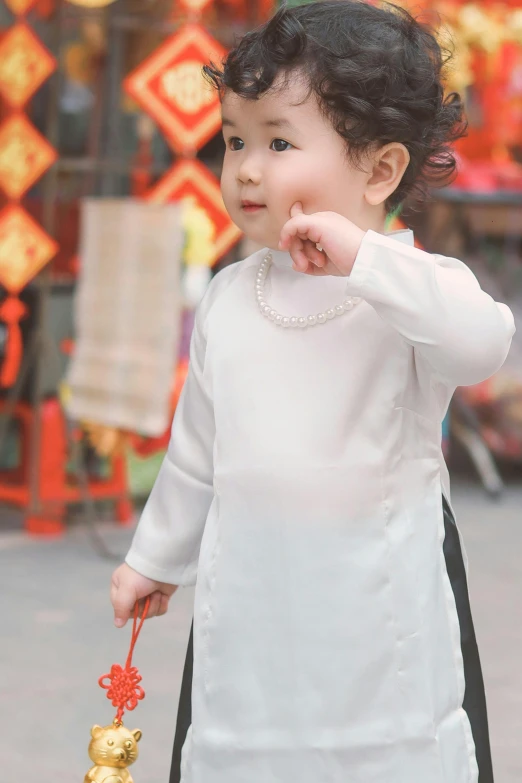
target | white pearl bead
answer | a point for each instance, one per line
(294, 321)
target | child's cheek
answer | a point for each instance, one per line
(298, 186)
(285, 196)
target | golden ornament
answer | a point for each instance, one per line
(515, 26)
(113, 749)
(107, 441)
(200, 233)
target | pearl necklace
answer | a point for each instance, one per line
(294, 321)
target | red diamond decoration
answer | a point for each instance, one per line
(190, 179)
(25, 64)
(24, 248)
(171, 88)
(20, 7)
(24, 155)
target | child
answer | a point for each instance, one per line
(304, 490)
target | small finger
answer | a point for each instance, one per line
(123, 604)
(316, 256)
(298, 257)
(301, 262)
(296, 209)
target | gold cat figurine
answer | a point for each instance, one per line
(113, 749)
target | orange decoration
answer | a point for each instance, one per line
(45, 8)
(195, 6)
(190, 179)
(170, 87)
(11, 312)
(92, 3)
(25, 64)
(24, 248)
(20, 7)
(24, 155)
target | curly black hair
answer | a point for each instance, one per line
(377, 73)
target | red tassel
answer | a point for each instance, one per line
(11, 311)
(123, 686)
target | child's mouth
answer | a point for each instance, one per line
(249, 206)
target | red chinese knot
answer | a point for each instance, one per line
(123, 683)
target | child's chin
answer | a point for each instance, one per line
(263, 238)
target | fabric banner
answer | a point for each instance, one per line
(128, 314)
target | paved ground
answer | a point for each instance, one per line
(57, 638)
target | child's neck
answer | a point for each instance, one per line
(373, 220)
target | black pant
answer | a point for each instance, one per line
(184, 712)
(474, 698)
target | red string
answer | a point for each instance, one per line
(124, 689)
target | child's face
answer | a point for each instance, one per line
(278, 153)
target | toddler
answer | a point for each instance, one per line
(304, 491)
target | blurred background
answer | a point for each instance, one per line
(111, 226)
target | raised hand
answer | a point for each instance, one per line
(324, 243)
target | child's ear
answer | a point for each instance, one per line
(388, 165)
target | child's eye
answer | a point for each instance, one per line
(235, 144)
(280, 145)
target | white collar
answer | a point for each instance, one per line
(283, 259)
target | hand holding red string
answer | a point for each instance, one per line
(129, 588)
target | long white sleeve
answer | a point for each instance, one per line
(437, 305)
(168, 537)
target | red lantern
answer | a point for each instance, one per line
(171, 88)
(190, 179)
(25, 64)
(24, 155)
(24, 249)
(20, 7)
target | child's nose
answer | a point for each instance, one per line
(249, 171)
